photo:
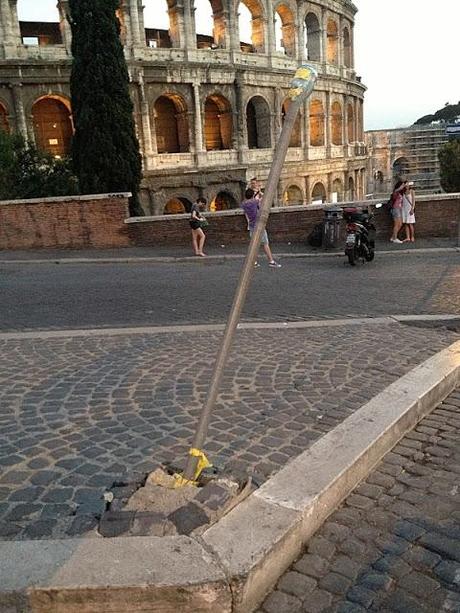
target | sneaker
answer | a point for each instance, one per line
(256, 265)
(274, 264)
(396, 240)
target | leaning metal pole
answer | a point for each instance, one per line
(301, 87)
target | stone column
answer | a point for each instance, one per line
(306, 108)
(352, 47)
(234, 30)
(345, 126)
(66, 33)
(241, 136)
(21, 121)
(199, 145)
(189, 25)
(329, 187)
(340, 49)
(328, 124)
(324, 16)
(276, 116)
(300, 30)
(145, 118)
(307, 190)
(11, 34)
(135, 27)
(356, 112)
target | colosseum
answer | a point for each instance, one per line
(209, 81)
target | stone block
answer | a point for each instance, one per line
(147, 523)
(280, 602)
(297, 584)
(317, 601)
(337, 584)
(188, 518)
(312, 565)
(116, 523)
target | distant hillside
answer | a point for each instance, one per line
(447, 113)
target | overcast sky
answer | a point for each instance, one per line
(407, 52)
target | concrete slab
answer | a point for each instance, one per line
(120, 574)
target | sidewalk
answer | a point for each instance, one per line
(184, 253)
(395, 543)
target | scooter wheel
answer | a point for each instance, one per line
(352, 257)
(370, 255)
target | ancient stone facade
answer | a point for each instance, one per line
(405, 153)
(208, 109)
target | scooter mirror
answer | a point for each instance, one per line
(379, 205)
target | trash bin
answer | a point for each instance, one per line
(331, 232)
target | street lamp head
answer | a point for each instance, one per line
(303, 82)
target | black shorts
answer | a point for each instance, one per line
(194, 224)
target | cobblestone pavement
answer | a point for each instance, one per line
(77, 414)
(395, 543)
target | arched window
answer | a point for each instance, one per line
(400, 168)
(209, 24)
(351, 123)
(332, 42)
(347, 48)
(337, 191)
(4, 125)
(171, 124)
(313, 37)
(223, 202)
(360, 122)
(285, 30)
(351, 189)
(251, 26)
(52, 126)
(258, 123)
(295, 140)
(39, 22)
(176, 206)
(161, 24)
(318, 193)
(292, 196)
(316, 123)
(337, 124)
(218, 124)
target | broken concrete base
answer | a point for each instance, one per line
(233, 564)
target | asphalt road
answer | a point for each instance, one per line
(52, 296)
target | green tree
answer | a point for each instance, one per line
(26, 172)
(449, 157)
(105, 148)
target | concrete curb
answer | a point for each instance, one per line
(215, 258)
(251, 325)
(237, 561)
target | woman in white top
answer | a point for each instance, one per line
(408, 213)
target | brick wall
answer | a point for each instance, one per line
(73, 222)
(437, 216)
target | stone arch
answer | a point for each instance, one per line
(296, 139)
(177, 205)
(258, 123)
(347, 47)
(251, 10)
(332, 49)
(39, 23)
(351, 189)
(313, 37)
(293, 195)
(218, 123)
(286, 20)
(161, 23)
(4, 124)
(52, 124)
(171, 124)
(318, 193)
(401, 168)
(210, 12)
(223, 201)
(336, 123)
(316, 123)
(351, 123)
(337, 191)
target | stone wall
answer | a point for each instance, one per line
(73, 222)
(437, 216)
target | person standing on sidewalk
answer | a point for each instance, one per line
(196, 223)
(408, 213)
(396, 210)
(250, 206)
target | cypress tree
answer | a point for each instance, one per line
(105, 148)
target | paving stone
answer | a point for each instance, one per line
(115, 523)
(381, 479)
(408, 531)
(188, 518)
(361, 595)
(349, 607)
(421, 558)
(280, 602)
(360, 502)
(81, 524)
(345, 566)
(312, 565)
(40, 529)
(393, 565)
(322, 547)
(449, 572)
(335, 583)
(317, 601)
(298, 584)
(402, 602)
(442, 545)
(376, 582)
(335, 532)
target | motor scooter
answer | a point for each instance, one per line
(360, 234)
